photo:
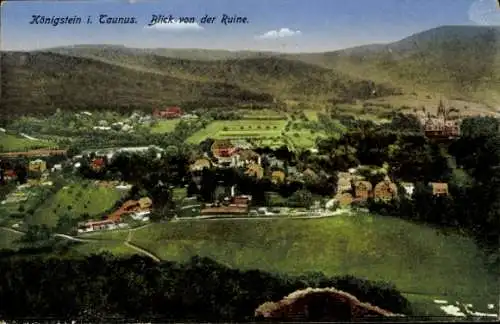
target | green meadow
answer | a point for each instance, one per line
(422, 263)
(75, 199)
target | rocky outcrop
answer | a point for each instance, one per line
(320, 304)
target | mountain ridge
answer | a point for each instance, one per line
(454, 62)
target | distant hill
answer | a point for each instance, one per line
(460, 62)
(452, 62)
(40, 82)
(108, 51)
(120, 78)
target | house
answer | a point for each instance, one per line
(362, 190)
(441, 126)
(344, 185)
(278, 176)
(242, 200)
(37, 166)
(344, 199)
(408, 187)
(200, 164)
(9, 175)
(145, 203)
(385, 190)
(168, 113)
(99, 225)
(238, 206)
(97, 164)
(439, 188)
(248, 156)
(222, 148)
(255, 170)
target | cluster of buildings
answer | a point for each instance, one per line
(352, 188)
(234, 205)
(137, 209)
(442, 126)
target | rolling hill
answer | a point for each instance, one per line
(40, 82)
(459, 62)
(120, 78)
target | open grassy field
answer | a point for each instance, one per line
(419, 260)
(12, 143)
(75, 199)
(165, 126)
(239, 129)
(116, 248)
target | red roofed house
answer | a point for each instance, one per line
(9, 175)
(170, 112)
(98, 164)
(223, 148)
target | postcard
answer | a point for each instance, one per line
(242, 161)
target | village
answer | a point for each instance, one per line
(351, 189)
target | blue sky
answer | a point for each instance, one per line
(277, 25)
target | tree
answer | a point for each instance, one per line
(301, 198)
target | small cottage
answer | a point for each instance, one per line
(439, 188)
(344, 199)
(37, 166)
(344, 185)
(98, 164)
(145, 203)
(362, 190)
(385, 190)
(222, 148)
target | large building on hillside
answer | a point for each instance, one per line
(441, 126)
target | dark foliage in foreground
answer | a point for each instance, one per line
(101, 286)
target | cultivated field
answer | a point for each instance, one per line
(422, 263)
(12, 143)
(250, 129)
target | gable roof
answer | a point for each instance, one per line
(363, 185)
(386, 184)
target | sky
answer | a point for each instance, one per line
(272, 25)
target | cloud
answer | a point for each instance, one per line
(275, 34)
(176, 25)
(485, 12)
